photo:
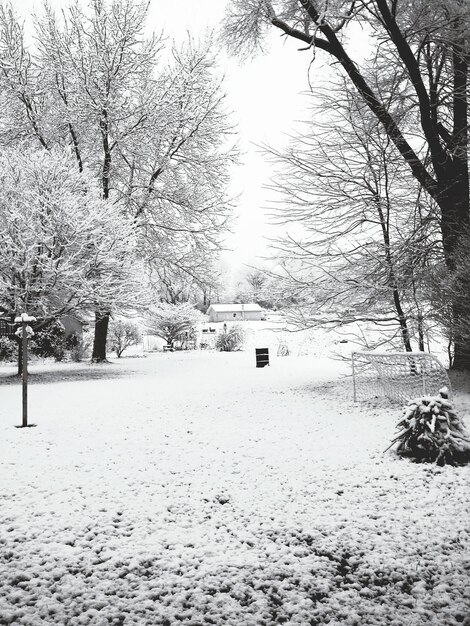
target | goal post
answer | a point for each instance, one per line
(399, 376)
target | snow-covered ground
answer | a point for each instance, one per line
(193, 488)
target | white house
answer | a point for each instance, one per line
(234, 312)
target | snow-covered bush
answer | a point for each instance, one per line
(431, 431)
(232, 339)
(283, 348)
(122, 335)
(8, 349)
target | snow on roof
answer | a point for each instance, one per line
(231, 308)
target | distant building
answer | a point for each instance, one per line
(73, 325)
(234, 312)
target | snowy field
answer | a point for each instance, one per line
(193, 488)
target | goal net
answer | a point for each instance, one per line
(400, 376)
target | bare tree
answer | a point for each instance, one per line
(23, 99)
(176, 286)
(425, 44)
(365, 235)
(256, 279)
(123, 335)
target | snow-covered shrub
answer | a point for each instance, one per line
(431, 431)
(122, 335)
(283, 348)
(8, 349)
(232, 339)
(49, 341)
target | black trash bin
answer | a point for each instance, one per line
(262, 357)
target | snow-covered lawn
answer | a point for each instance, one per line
(196, 489)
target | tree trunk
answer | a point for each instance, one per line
(460, 325)
(420, 323)
(102, 319)
(384, 222)
(455, 229)
(405, 333)
(99, 340)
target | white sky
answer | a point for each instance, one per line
(265, 95)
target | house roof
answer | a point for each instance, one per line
(235, 308)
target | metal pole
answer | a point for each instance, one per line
(24, 335)
(25, 373)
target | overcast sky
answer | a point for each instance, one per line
(265, 95)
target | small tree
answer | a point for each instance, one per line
(122, 335)
(171, 322)
(431, 431)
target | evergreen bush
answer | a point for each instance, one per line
(431, 432)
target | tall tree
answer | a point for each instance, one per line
(150, 124)
(426, 44)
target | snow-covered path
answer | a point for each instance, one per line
(196, 489)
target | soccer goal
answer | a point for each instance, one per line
(400, 376)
